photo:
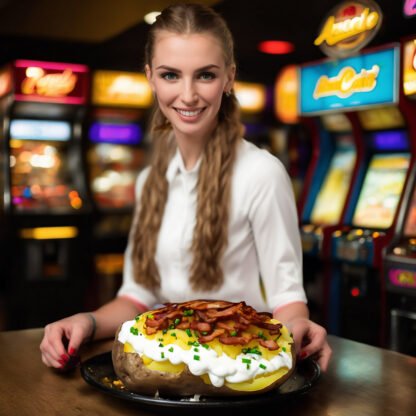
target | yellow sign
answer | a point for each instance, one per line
(128, 89)
(251, 97)
(349, 27)
(39, 82)
(347, 82)
(286, 95)
(409, 67)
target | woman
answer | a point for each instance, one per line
(215, 215)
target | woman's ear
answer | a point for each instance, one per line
(148, 72)
(230, 78)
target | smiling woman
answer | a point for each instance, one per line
(215, 215)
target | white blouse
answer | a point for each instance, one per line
(263, 242)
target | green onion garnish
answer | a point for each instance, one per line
(196, 349)
(160, 345)
(206, 346)
(150, 316)
(170, 349)
(164, 331)
(262, 366)
(188, 312)
(177, 321)
(196, 357)
(134, 330)
(284, 349)
(233, 333)
(162, 354)
(173, 334)
(246, 360)
(188, 331)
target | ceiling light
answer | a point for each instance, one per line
(150, 18)
(276, 47)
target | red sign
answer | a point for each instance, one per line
(50, 82)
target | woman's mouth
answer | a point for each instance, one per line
(189, 114)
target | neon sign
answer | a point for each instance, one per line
(409, 8)
(349, 27)
(347, 82)
(50, 82)
(368, 79)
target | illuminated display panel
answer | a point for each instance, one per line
(381, 191)
(331, 198)
(41, 180)
(40, 130)
(410, 225)
(113, 172)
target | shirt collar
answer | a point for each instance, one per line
(176, 166)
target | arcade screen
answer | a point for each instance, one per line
(331, 198)
(381, 190)
(410, 226)
(41, 179)
(113, 172)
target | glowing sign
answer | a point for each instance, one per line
(347, 82)
(40, 130)
(251, 97)
(115, 133)
(409, 67)
(403, 278)
(50, 82)
(349, 27)
(286, 95)
(409, 8)
(121, 89)
(363, 80)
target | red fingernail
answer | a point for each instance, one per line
(72, 351)
(62, 362)
(64, 357)
(303, 355)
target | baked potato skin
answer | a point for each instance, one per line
(138, 378)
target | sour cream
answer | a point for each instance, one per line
(201, 360)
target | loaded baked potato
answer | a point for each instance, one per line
(211, 348)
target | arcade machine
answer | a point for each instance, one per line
(45, 196)
(325, 202)
(400, 255)
(373, 209)
(116, 152)
(291, 141)
(368, 80)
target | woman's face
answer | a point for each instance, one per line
(189, 76)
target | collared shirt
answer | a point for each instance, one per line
(263, 237)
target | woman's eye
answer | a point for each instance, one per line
(169, 76)
(206, 76)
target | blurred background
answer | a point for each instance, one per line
(340, 115)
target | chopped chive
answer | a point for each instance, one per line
(188, 331)
(173, 334)
(170, 349)
(196, 357)
(262, 366)
(204, 333)
(177, 321)
(196, 349)
(150, 316)
(248, 366)
(206, 346)
(284, 349)
(161, 345)
(164, 331)
(162, 354)
(171, 326)
(246, 360)
(134, 330)
(137, 317)
(233, 333)
(160, 339)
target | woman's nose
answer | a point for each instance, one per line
(189, 93)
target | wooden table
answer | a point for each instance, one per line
(362, 381)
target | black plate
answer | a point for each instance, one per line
(98, 371)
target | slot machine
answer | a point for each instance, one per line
(45, 200)
(115, 153)
(400, 255)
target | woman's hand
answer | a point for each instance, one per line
(74, 330)
(310, 340)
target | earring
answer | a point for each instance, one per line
(228, 93)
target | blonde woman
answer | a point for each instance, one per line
(215, 215)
